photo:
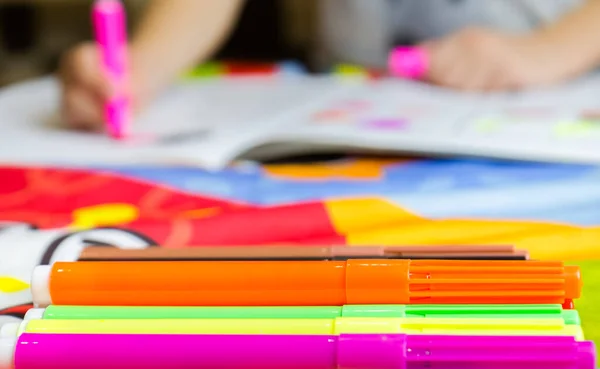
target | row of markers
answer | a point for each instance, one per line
(200, 309)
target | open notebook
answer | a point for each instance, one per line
(213, 122)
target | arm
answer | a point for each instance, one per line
(574, 40)
(175, 35)
(485, 59)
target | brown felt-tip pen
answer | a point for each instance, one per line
(295, 252)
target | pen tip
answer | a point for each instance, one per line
(119, 136)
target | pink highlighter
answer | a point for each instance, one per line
(408, 62)
(110, 27)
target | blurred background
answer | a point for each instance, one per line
(35, 33)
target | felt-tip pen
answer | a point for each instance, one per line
(110, 28)
(304, 283)
(66, 351)
(291, 253)
(65, 312)
(335, 326)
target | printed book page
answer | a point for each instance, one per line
(558, 124)
(212, 122)
(205, 123)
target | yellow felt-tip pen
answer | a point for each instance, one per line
(334, 326)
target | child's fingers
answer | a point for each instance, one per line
(82, 110)
(81, 68)
(480, 77)
(496, 82)
(435, 51)
(445, 68)
(441, 53)
(453, 77)
(454, 67)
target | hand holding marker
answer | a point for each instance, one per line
(111, 36)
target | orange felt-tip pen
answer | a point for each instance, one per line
(304, 283)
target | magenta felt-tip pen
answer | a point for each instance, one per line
(38, 351)
(110, 28)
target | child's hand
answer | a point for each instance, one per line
(485, 60)
(84, 88)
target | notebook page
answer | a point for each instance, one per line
(204, 123)
(560, 123)
(389, 114)
(557, 124)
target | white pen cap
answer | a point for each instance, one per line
(35, 314)
(40, 286)
(12, 330)
(7, 352)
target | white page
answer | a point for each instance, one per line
(542, 124)
(206, 123)
(389, 114)
(546, 124)
(210, 123)
(275, 102)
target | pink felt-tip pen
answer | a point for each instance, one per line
(408, 62)
(110, 27)
(392, 351)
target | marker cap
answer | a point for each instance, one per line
(35, 314)
(349, 325)
(7, 352)
(40, 286)
(571, 317)
(574, 331)
(408, 62)
(573, 282)
(390, 279)
(586, 355)
(378, 311)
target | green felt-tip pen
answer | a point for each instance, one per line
(571, 317)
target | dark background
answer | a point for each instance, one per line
(259, 36)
